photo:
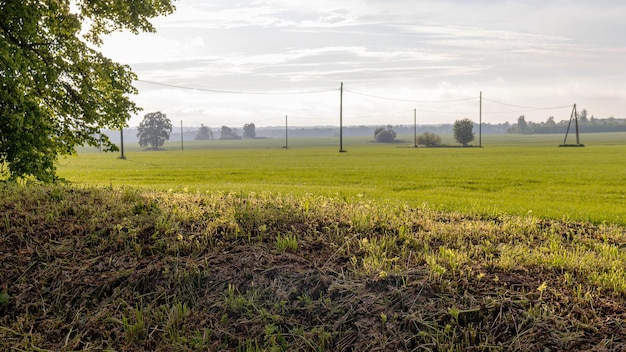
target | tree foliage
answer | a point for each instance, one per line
(154, 130)
(249, 131)
(56, 90)
(429, 139)
(463, 131)
(523, 127)
(384, 134)
(589, 124)
(204, 133)
(228, 133)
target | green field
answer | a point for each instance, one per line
(512, 174)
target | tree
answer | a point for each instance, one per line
(583, 119)
(249, 131)
(463, 131)
(522, 126)
(56, 90)
(228, 133)
(154, 130)
(384, 134)
(429, 139)
(204, 133)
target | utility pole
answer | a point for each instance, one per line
(286, 133)
(414, 128)
(576, 120)
(480, 121)
(182, 147)
(122, 156)
(573, 116)
(341, 119)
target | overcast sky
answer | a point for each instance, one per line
(393, 56)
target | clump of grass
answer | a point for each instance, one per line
(107, 269)
(286, 243)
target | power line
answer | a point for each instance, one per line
(519, 111)
(527, 107)
(411, 101)
(381, 115)
(459, 100)
(233, 92)
(269, 119)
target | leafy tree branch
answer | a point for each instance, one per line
(56, 90)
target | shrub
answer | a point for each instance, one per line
(384, 135)
(429, 139)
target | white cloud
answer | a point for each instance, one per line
(532, 53)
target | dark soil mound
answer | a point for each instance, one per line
(126, 270)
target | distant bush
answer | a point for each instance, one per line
(429, 139)
(384, 135)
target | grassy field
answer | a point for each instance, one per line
(512, 174)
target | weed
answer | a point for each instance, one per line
(250, 345)
(435, 271)
(135, 326)
(274, 340)
(287, 243)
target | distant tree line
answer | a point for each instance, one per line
(205, 133)
(586, 124)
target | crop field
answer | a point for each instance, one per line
(512, 174)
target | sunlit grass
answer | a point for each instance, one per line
(511, 174)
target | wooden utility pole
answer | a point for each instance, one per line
(341, 119)
(122, 156)
(414, 128)
(286, 133)
(480, 121)
(182, 147)
(576, 121)
(573, 116)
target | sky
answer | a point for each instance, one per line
(271, 62)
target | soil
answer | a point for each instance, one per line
(81, 281)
